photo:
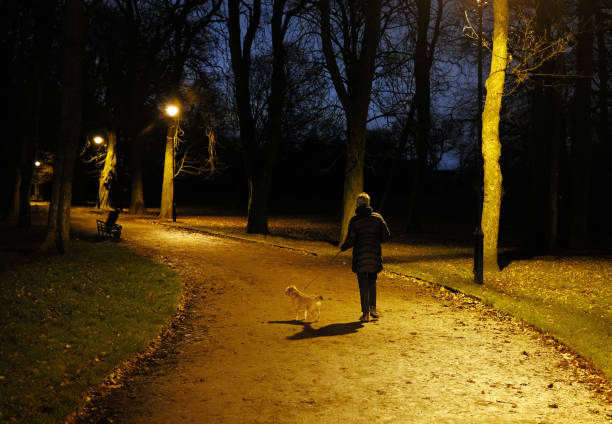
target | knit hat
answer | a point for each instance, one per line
(363, 199)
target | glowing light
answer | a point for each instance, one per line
(98, 140)
(37, 163)
(172, 110)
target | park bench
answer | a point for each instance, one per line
(109, 228)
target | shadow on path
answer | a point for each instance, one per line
(308, 332)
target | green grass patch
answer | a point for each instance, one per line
(67, 320)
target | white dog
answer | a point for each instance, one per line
(307, 305)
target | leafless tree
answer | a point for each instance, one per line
(350, 35)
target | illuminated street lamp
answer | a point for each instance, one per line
(98, 140)
(173, 112)
(36, 186)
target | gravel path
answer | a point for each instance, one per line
(238, 357)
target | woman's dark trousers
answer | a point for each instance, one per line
(367, 290)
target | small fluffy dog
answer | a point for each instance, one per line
(308, 305)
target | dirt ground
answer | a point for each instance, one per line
(237, 355)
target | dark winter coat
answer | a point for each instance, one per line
(366, 231)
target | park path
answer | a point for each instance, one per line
(434, 356)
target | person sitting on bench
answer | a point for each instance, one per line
(111, 221)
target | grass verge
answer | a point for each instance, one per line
(568, 298)
(67, 320)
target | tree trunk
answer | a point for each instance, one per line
(15, 204)
(137, 204)
(167, 197)
(353, 171)
(355, 96)
(400, 149)
(27, 168)
(31, 109)
(109, 171)
(259, 199)
(58, 232)
(604, 76)
(581, 128)
(261, 184)
(545, 142)
(423, 124)
(240, 50)
(491, 146)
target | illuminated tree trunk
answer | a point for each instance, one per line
(58, 231)
(491, 146)
(353, 171)
(353, 90)
(108, 171)
(167, 195)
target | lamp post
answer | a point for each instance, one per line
(98, 141)
(173, 112)
(36, 186)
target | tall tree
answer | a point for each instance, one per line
(30, 79)
(240, 51)
(602, 21)
(58, 232)
(491, 146)
(353, 41)
(409, 71)
(423, 59)
(603, 76)
(581, 126)
(187, 22)
(545, 136)
(260, 147)
(266, 159)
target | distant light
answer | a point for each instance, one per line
(172, 110)
(98, 140)
(37, 163)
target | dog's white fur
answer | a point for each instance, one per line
(304, 304)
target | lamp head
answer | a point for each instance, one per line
(172, 110)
